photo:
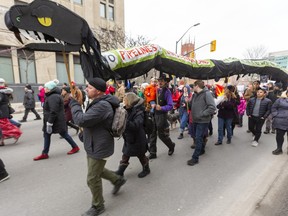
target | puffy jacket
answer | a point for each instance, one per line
(279, 113)
(265, 107)
(54, 111)
(150, 93)
(96, 123)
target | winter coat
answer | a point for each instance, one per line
(4, 103)
(135, 141)
(97, 124)
(29, 100)
(242, 106)
(227, 109)
(265, 107)
(41, 95)
(279, 113)
(54, 111)
(150, 93)
(203, 106)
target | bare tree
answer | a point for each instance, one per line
(110, 38)
(116, 39)
(257, 52)
(139, 41)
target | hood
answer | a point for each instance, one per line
(114, 101)
(55, 90)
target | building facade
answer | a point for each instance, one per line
(280, 58)
(19, 67)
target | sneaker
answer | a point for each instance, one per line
(248, 131)
(73, 150)
(228, 141)
(254, 143)
(23, 120)
(180, 136)
(4, 177)
(273, 131)
(277, 152)
(266, 132)
(38, 118)
(118, 184)
(218, 143)
(41, 157)
(152, 156)
(94, 211)
(171, 150)
(192, 162)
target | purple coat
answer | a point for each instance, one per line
(279, 113)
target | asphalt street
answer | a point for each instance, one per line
(230, 180)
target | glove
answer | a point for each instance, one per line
(49, 127)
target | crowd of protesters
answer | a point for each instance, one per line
(161, 103)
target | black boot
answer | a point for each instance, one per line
(180, 136)
(277, 151)
(145, 171)
(121, 169)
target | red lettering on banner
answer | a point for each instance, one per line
(122, 54)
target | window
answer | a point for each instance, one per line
(111, 1)
(78, 1)
(111, 13)
(102, 10)
(61, 68)
(27, 66)
(78, 72)
(6, 68)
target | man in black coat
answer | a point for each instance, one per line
(98, 141)
(29, 103)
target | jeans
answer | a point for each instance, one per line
(228, 126)
(199, 129)
(47, 141)
(183, 121)
(255, 126)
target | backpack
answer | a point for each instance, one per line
(119, 122)
(148, 123)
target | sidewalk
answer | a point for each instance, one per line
(19, 108)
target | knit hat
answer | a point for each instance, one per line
(279, 85)
(67, 89)
(98, 83)
(28, 86)
(51, 84)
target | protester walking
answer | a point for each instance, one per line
(161, 125)
(29, 103)
(279, 113)
(135, 141)
(8, 130)
(258, 109)
(98, 141)
(54, 119)
(202, 108)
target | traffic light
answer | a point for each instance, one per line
(213, 46)
(192, 54)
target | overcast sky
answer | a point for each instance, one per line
(235, 25)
